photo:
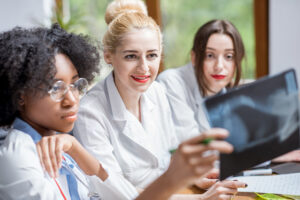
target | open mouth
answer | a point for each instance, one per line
(218, 77)
(141, 79)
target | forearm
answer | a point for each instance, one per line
(161, 188)
(86, 161)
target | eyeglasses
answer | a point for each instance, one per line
(60, 89)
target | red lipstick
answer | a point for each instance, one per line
(141, 78)
(218, 77)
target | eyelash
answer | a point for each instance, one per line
(152, 55)
(130, 57)
(133, 56)
(227, 56)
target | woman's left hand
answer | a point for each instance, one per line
(293, 156)
(50, 150)
(210, 179)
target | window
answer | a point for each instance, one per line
(181, 19)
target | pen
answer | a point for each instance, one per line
(206, 141)
(255, 172)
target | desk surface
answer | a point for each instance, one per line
(239, 196)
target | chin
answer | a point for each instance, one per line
(66, 129)
(142, 89)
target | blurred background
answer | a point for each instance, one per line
(270, 28)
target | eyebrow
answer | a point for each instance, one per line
(135, 51)
(210, 48)
(74, 77)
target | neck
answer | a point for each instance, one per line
(210, 93)
(213, 91)
(130, 98)
(40, 129)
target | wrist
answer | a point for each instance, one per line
(71, 150)
(102, 174)
(170, 179)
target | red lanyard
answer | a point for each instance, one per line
(61, 192)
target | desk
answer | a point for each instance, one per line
(239, 196)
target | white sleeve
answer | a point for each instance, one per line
(183, 115)
(21, 175)
(108, 189)
(92, 132)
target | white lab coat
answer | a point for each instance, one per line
(22, 176)
(185, 101)
(138, 152)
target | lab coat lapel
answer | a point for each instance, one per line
(126, 122)
(143, 133)
(200, 113)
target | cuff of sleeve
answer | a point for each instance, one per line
(114, 187)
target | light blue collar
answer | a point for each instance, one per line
(23, 126)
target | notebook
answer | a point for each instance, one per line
(262, 118)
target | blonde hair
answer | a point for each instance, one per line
(123, 16)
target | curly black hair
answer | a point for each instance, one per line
(27, 62)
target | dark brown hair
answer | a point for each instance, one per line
(199, 47)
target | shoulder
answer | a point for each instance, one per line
(156, 89)
(176, 77)
(169, 74)
(16, 140)
(18, 152)
(16, 145)
(95, 101)
(96, 93)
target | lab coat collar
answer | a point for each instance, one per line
(23, 126)
(196, 91)
(117, 105)
(129, 125)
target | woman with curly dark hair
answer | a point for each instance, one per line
(43, 72)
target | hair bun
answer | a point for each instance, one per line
(118, 7)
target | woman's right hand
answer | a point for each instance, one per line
(223, 190)
(50, 150)
(191, 161)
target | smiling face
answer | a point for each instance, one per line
(219, 62)
(43, 113)
(136, 61)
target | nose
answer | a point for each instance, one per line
(70, 99)
(220, 64)
(143, 66)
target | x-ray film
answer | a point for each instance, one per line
(262, 118)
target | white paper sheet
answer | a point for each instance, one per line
(276, 184)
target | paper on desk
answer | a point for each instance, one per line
(277, 184)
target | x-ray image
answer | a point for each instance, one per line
(262, 118)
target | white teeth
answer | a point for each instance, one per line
(141, 78)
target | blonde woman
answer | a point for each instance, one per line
(125, 120)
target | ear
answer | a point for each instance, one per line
(193, 57)
(21, 100)
(107, 56)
